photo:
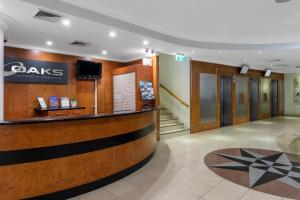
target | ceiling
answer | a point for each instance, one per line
(262, 34)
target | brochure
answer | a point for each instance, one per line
(64, 102)
(42, 103)
(147, 91)
(54, 102)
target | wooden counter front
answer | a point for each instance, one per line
(65, 158)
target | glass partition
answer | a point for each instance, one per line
(242, 96)
(265, 95)
(281, 96)
(208, 98)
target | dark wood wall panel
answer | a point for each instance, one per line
(198, 67)
(143, 73)
(20, 99)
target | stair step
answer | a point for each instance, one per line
(166, 116)
(174, 133)
(173, 118)
(171, 127)
(168, 121)
(162, 112)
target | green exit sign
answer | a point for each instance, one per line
(180, 57)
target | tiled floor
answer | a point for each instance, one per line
(178, 171)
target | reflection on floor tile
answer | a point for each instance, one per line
(178, 171)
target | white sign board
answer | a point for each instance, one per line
(124, 87)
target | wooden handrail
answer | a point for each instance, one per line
(174, 95)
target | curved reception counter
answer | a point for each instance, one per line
(59, 158)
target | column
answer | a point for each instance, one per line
(1, 75)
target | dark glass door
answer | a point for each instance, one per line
(274, 99)
(254, 99)
(226, 100)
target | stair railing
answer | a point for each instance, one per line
(174, 95)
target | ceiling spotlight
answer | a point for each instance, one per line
(149, 51)
(193, 51)
(260, 52)
(220, 53)
(104, 52)
(146, 42)
(49, 43)
(271, 65)
(66, 22)
(112, 34)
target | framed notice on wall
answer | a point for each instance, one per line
(124, 92)
(297, 90)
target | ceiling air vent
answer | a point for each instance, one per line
(79, 43)
(275, 60)
(281, 65)
(47, 16)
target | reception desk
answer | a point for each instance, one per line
(58, 158)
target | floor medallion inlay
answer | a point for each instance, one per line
(267, 171)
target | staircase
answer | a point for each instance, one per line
(170, 126)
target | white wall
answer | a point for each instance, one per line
(176, 77)
(290, 107)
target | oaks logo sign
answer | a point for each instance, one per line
(32, 71)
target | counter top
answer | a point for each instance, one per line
(72, 118)
(59, 108)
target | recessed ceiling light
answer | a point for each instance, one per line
(271, 65)
(220, 53)
(112, 34)
(146, 42)
(66, 22)
(193, 51)
(49, 43)
(104, 52)
(260, 52)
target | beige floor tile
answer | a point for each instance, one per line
(98, 194)
(120, 188)
(194, 187)
(208, 178)
(140, 179)
(226, 191)
(152, 191)
(255, 195)
(178, 194)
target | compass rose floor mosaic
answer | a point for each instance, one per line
(267, 171)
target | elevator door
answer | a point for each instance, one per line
(254, 99)
(226, 100)
(274, 93)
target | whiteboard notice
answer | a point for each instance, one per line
(124, 87)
